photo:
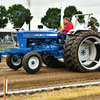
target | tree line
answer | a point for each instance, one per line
(53, 15)
(17, 14)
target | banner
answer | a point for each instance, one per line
(61, 20)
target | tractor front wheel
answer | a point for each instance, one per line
(32, 62)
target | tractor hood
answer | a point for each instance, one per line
(37, 34)
(24, 37)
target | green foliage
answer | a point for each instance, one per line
(18, 14)
(52, 18)
(27, 16)
(70, 11)
(3, 17)
(93, 19)
(81, 18)
(53, 15)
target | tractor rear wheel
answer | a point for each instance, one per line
(86, 52)
(32, 62)
(82, 52)
(52, 62)
(13, 62)
(67, 54)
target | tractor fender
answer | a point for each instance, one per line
(74, 31)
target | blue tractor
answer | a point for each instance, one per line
(81, 51)
(30, 48)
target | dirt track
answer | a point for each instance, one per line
(45, 77)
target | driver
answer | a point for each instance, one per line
(67, 27)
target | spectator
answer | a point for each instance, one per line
(7, 37)
(93, 27)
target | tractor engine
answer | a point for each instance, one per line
(29, 39)
(43, 42)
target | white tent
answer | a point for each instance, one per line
(8, 28)
(25, 26)
(34, 24)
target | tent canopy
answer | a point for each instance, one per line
(34, 24)
(8, 28)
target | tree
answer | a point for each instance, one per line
(27, 16)
(70, 11)
(81, 18)
(93, 19)
(18, 14)
(52, 18)
(3, 17)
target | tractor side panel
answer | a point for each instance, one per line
(22, 43)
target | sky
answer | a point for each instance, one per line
(39, 7)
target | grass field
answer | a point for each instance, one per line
(64, 94)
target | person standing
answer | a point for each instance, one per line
(7, 38)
